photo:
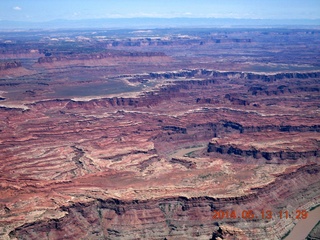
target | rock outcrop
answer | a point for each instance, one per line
(9, 65)
(112, 54)
(283, 146)
(176, 217)
(125, 134)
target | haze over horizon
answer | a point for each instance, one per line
(43, 11)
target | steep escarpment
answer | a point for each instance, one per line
(176, 217)
(158, 133)
(173, 42)
(50, 59)
(9, 65)
(100, 59)
(157, 163)
(13, 68)
(245, 75)
(178, 83)
(271, 146)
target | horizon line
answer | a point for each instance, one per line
(148, 17)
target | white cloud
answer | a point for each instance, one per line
(17, 8)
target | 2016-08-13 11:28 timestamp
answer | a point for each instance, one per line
(263, 214)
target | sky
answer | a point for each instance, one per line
(47, 10)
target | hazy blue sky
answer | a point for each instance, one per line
(44, 10)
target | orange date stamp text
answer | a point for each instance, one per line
(263, 214)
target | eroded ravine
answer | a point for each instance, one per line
(132, 167)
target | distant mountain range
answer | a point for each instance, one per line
(143, 23)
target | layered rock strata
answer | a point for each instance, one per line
(157, 164)
(177, 217)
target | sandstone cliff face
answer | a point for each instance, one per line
(124, 134)
(109, 55)
(154, 165)
(176, 217)
(244, 75)
(283, 155)
(9, 65)
(272, 146)
(18, 51)
(173, 42)
(12, 68)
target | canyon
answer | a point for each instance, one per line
(109, 136)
